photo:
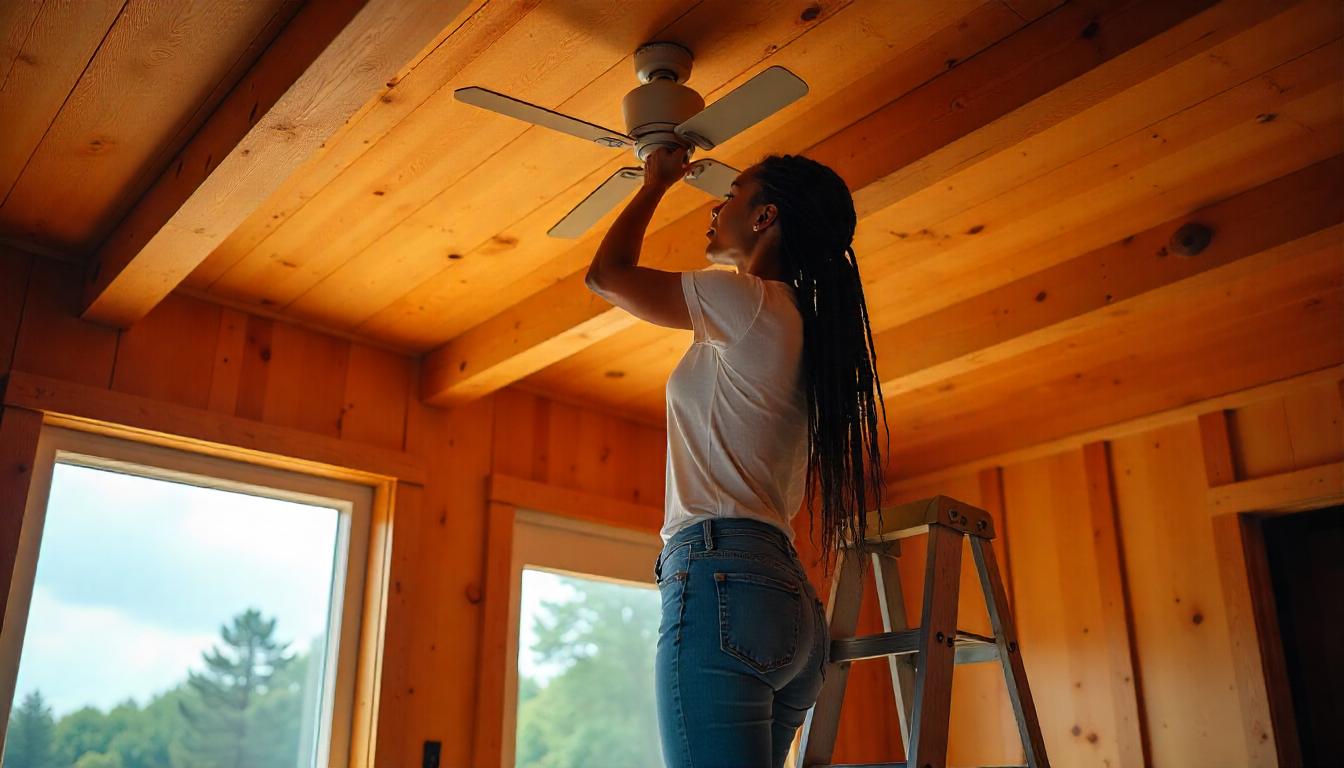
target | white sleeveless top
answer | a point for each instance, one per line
(736, 407)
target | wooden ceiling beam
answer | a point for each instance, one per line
(1137, 274)
(326, 64)
(979, 108)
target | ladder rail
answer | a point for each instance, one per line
(920, 659)
(1010, 656)
(891, 599)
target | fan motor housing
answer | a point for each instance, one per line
(654, 109)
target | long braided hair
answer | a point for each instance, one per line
(844, 397)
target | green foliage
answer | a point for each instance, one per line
(99, 760)
(243, 711)
(598, 712)
(31, 735)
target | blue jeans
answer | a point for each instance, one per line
(741, 646)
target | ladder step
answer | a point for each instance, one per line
(970, 647)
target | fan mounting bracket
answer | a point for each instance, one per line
(670, 61)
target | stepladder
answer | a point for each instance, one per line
(921, 659)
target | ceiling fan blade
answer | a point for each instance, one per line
(711, 176)
(748, 104)
(597, 203)
(507, 105)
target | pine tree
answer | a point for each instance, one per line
(244, 711)
(29, 743)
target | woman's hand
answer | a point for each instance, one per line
(664, 167)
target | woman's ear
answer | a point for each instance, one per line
(767, 215)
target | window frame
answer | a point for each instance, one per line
(354, 503)
(563, 545)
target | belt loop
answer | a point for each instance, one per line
(709, 535)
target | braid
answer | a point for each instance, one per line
(844, 396)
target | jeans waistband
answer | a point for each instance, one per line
(709, 531)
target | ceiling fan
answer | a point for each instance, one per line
(661, 112)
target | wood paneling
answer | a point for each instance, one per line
(454, 139)
(44, 48)
(19, 431)
(869, 57)
(1062, 616)
(322, 68)
(155, 75)
(1285, 321)
(1180, 616)
(1296, 431)
(958, 114)
(1087, 182)
(14, 268)
(53, 341)
(439, 568)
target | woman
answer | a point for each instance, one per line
(774, 402)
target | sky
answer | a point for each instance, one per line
(135, 576)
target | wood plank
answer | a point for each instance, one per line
(1263, 732)
(488, 737)
(305, 387)
(44, 47)
(230, 349)
(182, 426)
(887, 56)
(1299, 430)
(1068, 637)
(14, 269)
(373, 631)
(155, 74)
(580, 505)
(19, 432)
(374, 407)
(1181, 619)
(445, 579)
(1025, 67)
(1285, 322)
(1121, 653)
(51, 327)
(1297, 491)
(476, 28)
(1085, 293)
(324, 66)
(169, 356)
(1216, 444)
(392, 740)
(1328, 376)
(949, 245)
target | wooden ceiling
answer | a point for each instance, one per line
(1019, 168)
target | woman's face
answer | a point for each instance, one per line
(730, 228)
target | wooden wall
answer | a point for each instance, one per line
(1134, 637)
(1129, 631)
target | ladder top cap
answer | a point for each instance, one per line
(914, 517)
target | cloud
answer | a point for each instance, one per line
(80, 655)
(185, 558)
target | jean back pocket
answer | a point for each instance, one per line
(758, 619)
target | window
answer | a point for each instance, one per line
(170, 608)
(585, 611)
